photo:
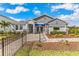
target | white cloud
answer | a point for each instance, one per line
(18, 9)
(71, 17)
(1, 9)
(67, 6)
(16, 19)
(36, 11)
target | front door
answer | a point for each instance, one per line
(39, 29)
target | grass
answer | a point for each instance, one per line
(12, 35)
(24, 52)
(2, 37)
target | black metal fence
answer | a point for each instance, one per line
(10, 45)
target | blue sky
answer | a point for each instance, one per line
(29, 11)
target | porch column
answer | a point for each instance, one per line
(48, 29)
(34, 29)
(45, 29)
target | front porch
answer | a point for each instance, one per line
(37, 28)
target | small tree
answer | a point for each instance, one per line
(4, 24)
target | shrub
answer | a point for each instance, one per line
(39, 44)
(65, 42)
(57, 32)
(1, 32)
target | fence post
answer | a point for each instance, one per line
(22, 39)
(2, 46)
(26, 36)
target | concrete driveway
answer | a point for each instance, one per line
(35, 37)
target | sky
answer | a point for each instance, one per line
(68, 12)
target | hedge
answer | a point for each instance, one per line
(57, 32)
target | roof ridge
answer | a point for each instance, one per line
(57, 19)
(43, 16)
(9, 19)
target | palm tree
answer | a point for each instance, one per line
(4, 24)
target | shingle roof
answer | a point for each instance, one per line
(53, 19)
(42, 16)
(7, 19)
(58, 19)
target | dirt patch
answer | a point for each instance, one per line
(72, 46)
(62, 36)
(61, 46)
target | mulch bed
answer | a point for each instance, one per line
(72, 46)
(62, 36)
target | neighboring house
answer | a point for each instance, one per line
(43, 23)
(15, 25)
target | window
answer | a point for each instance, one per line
(56, 28)
(62, 26)
(50, 26)
(21, 27)
(16, 27)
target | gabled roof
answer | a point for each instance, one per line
(7, 19)
(58, 19)
(42, 16)
(53, 19)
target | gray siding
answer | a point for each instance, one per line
(44, 20)
(58, 23)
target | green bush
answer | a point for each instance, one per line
(39, 44)
(1, 32)
(57, 32)
(73, 30)
(66, 42)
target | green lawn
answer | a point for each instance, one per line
(12, 35)
(2, 37)
(24, 52)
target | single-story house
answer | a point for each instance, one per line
(42, 23)
(15, 25)
(47, 24)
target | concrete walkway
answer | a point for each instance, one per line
(61, 39)
(44, 38)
